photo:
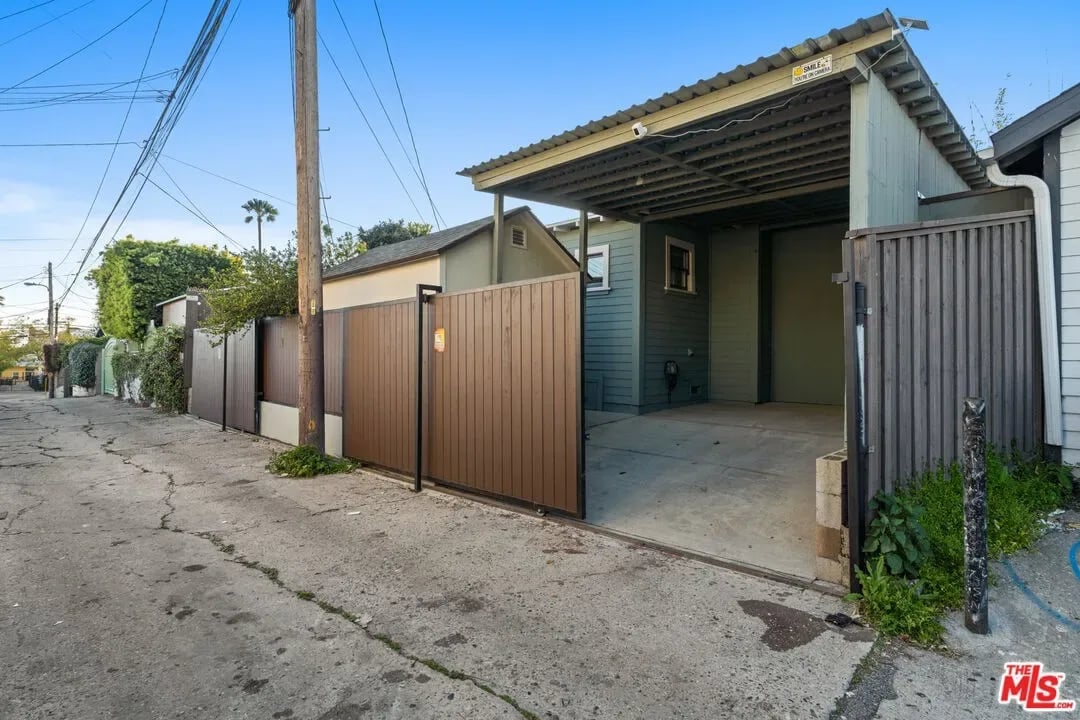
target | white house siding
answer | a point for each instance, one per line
(611, 317)
(1070, 289)
(734, 314)
(892, 160)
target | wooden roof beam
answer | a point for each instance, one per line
(763, 197)
(903, 79)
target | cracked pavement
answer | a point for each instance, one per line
(152, 568)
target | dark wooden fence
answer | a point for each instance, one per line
(950, 312)
(210, 366)
(505, 394)
(280, 351)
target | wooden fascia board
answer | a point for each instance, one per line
(732, 97)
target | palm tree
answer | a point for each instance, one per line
(260, 210)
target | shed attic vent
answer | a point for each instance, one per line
(518, 236)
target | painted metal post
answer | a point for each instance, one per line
(224, 381)
(421, 332)
(975, 551)
(497, 238)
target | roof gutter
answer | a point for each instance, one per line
(1044, 258)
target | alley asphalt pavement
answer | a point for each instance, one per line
(150, 567)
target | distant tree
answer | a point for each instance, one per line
(134, 275)
(389, 232)
(264, 284)
(11, 346)
(259, 211)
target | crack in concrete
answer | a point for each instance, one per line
(274, 576)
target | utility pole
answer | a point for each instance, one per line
(53, 320)
(308, 226)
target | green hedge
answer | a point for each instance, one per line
(162, 368)
(82, 361)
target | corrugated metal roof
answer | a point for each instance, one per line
(416, 248)
(784, 57)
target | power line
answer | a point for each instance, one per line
(246, 187)
(24, 10)
(47, 22)
(93, 42)
(393, 128)
(401, 97)
(119, 134)
(170, 115)
(194, 211)
(70, 144)
(20, 282)
(367, 122)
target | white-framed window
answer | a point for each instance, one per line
(598, 268)
(519, 236)
(678, 265)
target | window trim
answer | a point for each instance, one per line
(524, 235)
(691, 278)
(603, 252)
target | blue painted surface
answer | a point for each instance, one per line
(1074, 558)
(1038, 601)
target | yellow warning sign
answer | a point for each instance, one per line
(440, 339)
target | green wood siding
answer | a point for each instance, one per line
(611, 317)
(734, 314)
(675, 324)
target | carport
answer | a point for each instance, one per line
(753, 177)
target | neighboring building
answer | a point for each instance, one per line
(1045, 143)
(27, 367)
(457, 258)
(174, 310)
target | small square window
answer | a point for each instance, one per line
(679, 265)
(597, 268)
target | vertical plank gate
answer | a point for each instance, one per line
(210, 393)
(939, 311)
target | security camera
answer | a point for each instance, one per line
(639, 129)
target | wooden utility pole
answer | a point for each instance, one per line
(54, 310)
(308, 226)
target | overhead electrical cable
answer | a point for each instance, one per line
(194, 211)
(371, 129)
(24, 33)
(174, 107)
(119, 134)
(393, 128)
(90, 44)
(27, 9)
(70, 144)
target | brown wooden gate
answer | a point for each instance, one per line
(504, 416)
(501, 390)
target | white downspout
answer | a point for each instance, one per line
(1044, 260)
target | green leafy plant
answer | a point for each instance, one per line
(307, 461)
(897, 535)
(127, 366)
(82, 361)
(897, 606)
(162, 369)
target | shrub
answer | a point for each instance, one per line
(126, 366)
(306, 461)
(82, 361)
(162, 368)
(897, 606)
(897, 535)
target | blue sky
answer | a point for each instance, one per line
(479, 79)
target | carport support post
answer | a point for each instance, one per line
(975, 567)
(583, 264)
(224, 381)
(497, 234)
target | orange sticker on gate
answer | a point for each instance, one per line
(440, 339)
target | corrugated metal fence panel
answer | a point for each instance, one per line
(207, 372)
(280, 360)
(379, 405)
(240, 387)
(952, 315)
(504, 415)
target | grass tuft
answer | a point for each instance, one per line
(306, 461)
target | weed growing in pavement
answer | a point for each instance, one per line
(306, 461)
(906, 596)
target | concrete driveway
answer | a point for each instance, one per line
(152, 568)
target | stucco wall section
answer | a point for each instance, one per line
(282, 423)
(393, 283)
